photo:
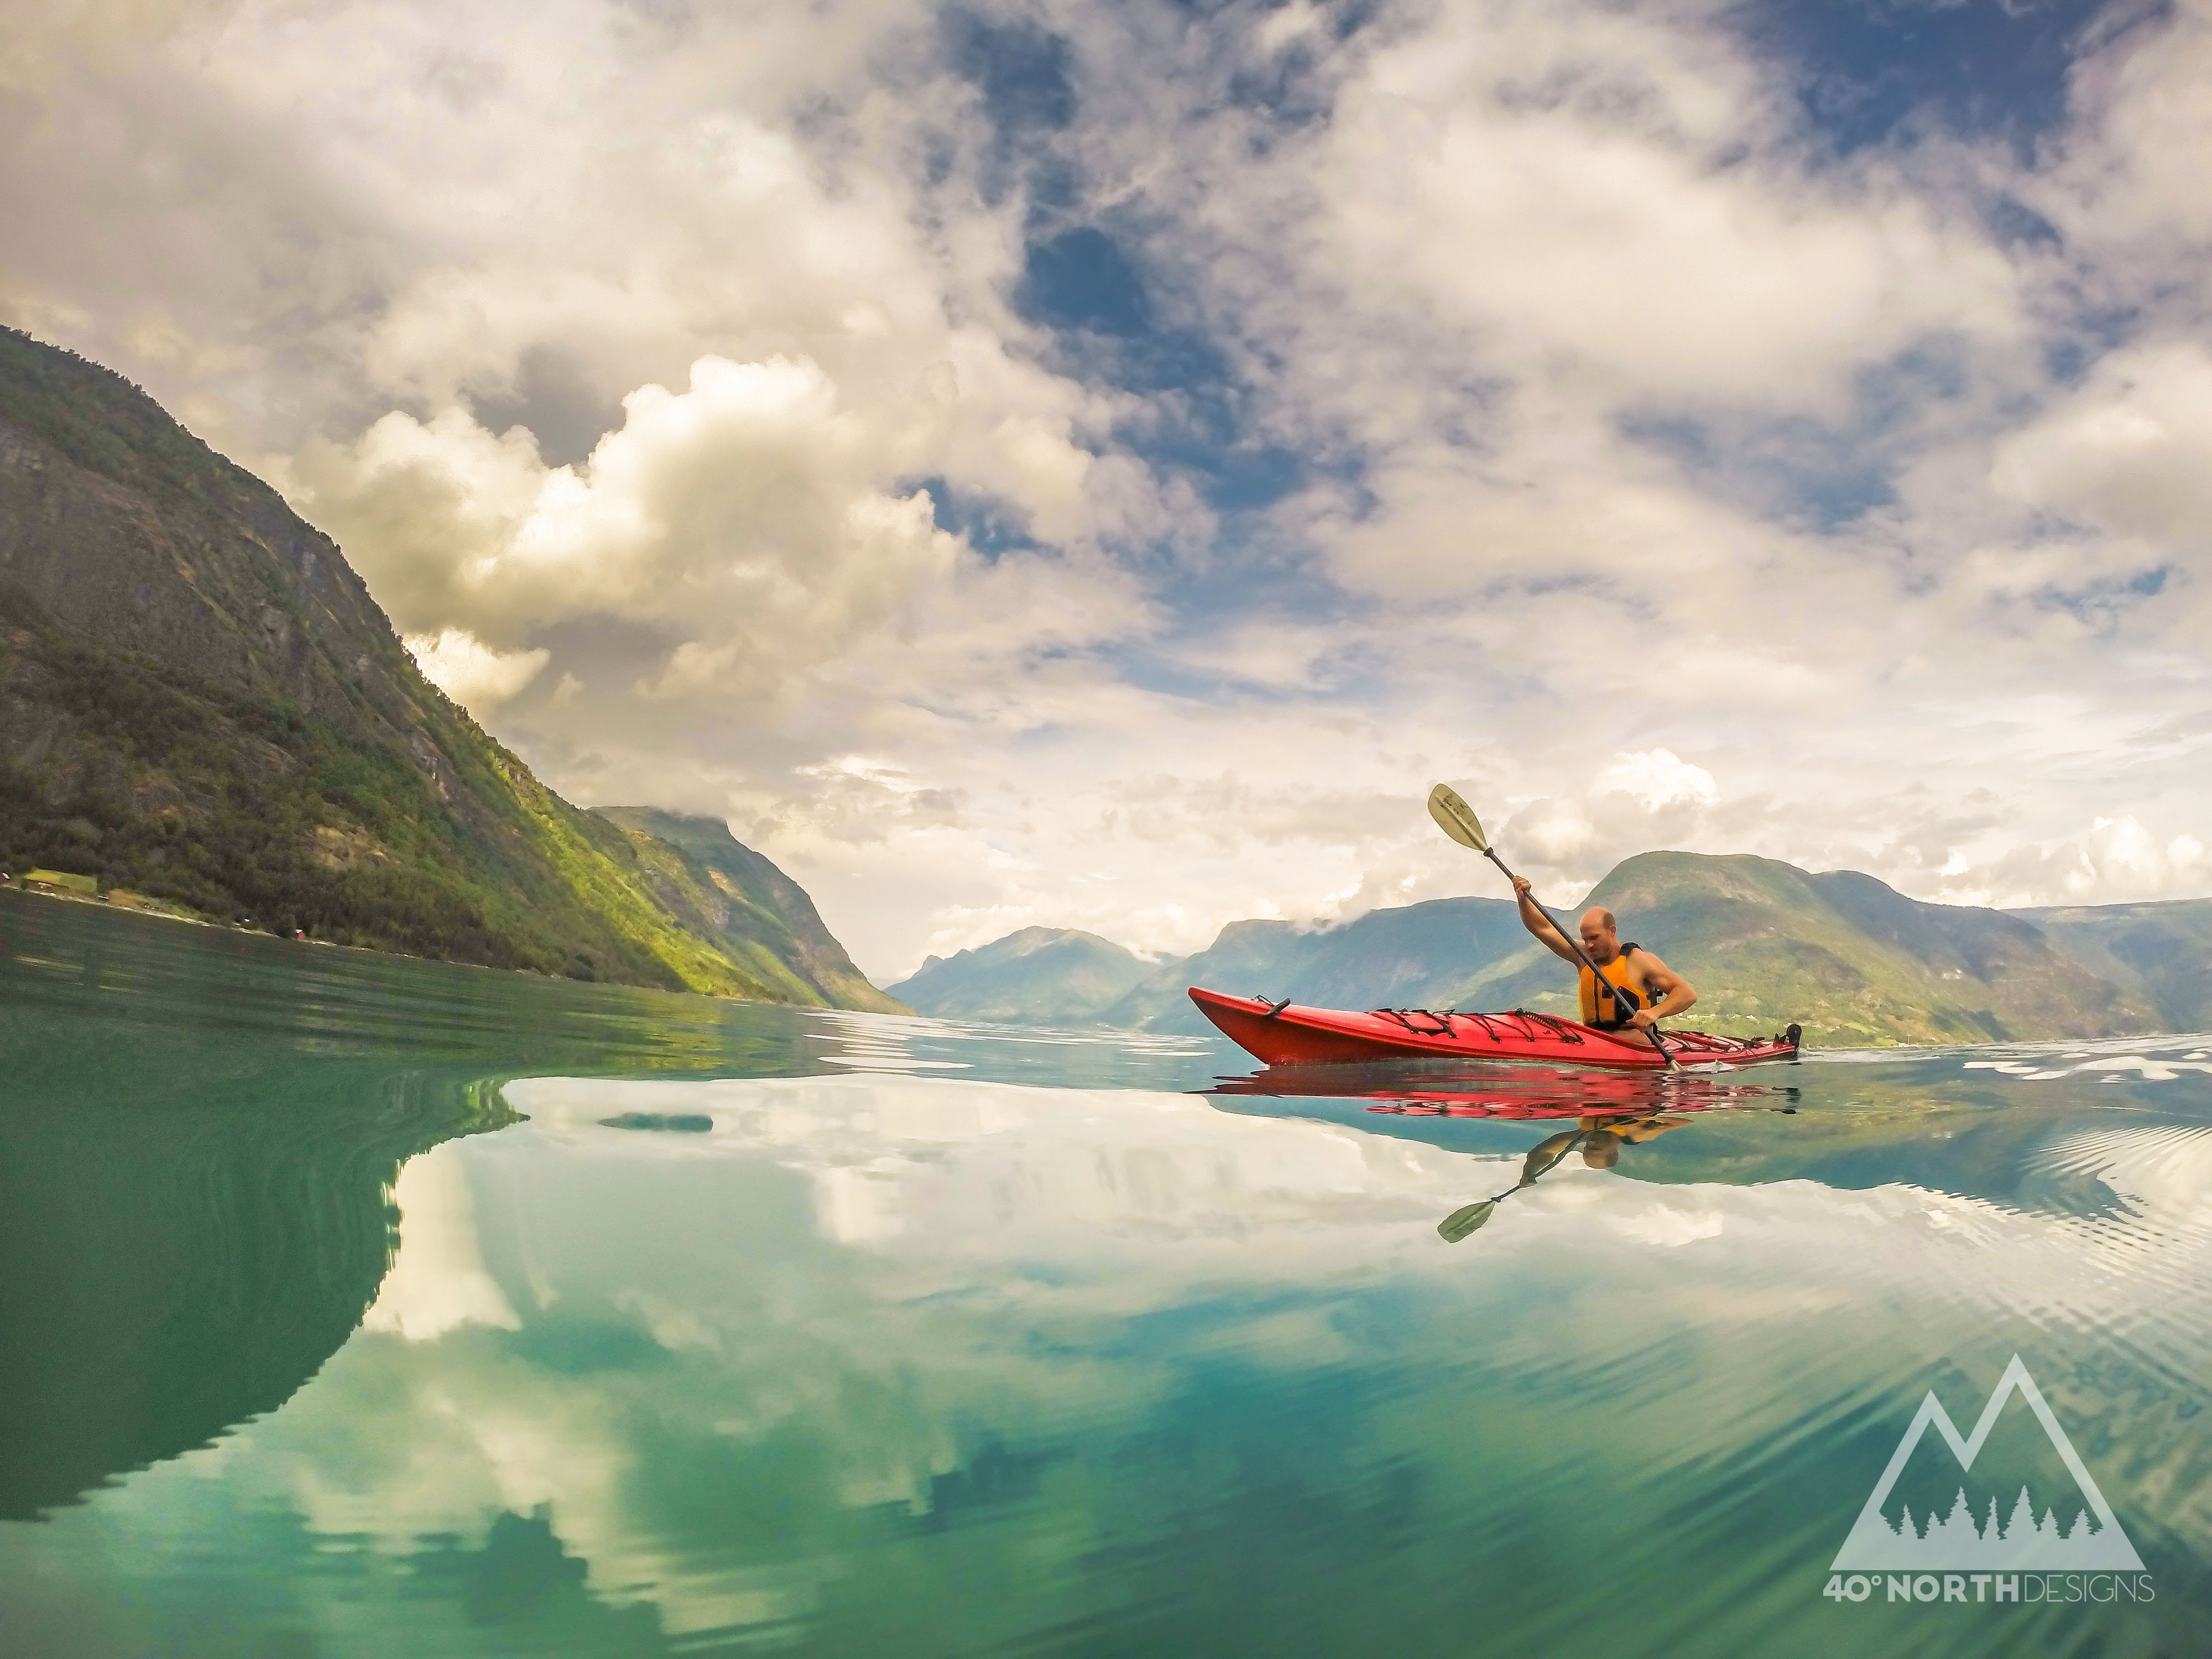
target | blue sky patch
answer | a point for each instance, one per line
(992, 529)
(1871, 72)
(2102, 603)
(1081, 278)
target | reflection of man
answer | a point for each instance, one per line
(1599, 1136)
(1603, 1136)
(1631, 988)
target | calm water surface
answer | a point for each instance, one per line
(353, 1306)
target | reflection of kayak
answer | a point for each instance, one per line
(1283, 1035)
(1487, 1089)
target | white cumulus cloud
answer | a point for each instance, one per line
(470, 671)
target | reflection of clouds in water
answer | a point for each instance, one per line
(441, 1437)
(2111, 1067)
(437, 1282)
(969, 1168)
(1135, 1198)
(1063, 1210)
(438, 1433)
(2122, 1056)
(1669, 1228)
(899, 1043)
(865, 1267)
(858, 1205)
(2163, 1173)
(946, 1220)
(2135, 1059)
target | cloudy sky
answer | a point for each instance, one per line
(1098, 464)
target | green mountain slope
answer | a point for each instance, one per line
(2160, 953)
(1037, 976)
(1851, 959)
(200, 701)
(760, 917)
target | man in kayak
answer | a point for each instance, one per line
(1631, 988)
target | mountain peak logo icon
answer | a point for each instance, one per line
(1958, 1542)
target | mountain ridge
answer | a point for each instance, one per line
(1840, 953)
(1056, 974)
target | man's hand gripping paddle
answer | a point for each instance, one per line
(1457, 819)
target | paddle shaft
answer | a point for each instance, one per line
(1581, 955)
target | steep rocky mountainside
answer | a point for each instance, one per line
(760, 917)
(199, 702)
(1040, 975)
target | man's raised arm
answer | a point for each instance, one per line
(1536, 922)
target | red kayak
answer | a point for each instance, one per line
(1283, 1035)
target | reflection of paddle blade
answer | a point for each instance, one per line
(1456, 818)
(1460, 1223)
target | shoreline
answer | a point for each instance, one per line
(210, 923)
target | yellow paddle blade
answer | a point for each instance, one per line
(1456, 818)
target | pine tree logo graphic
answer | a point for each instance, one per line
(1961, 1541)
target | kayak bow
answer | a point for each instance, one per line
(1283, 1034)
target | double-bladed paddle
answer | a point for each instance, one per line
(1457, 819)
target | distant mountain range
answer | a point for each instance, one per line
(201, 704)
(1040, 975)
(1849, 958)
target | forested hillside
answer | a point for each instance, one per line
(2160, 953)
(760, 917)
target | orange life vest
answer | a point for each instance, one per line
(1620, 997)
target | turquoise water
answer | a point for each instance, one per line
(356, 1306)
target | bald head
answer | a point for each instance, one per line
(1601, 936)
